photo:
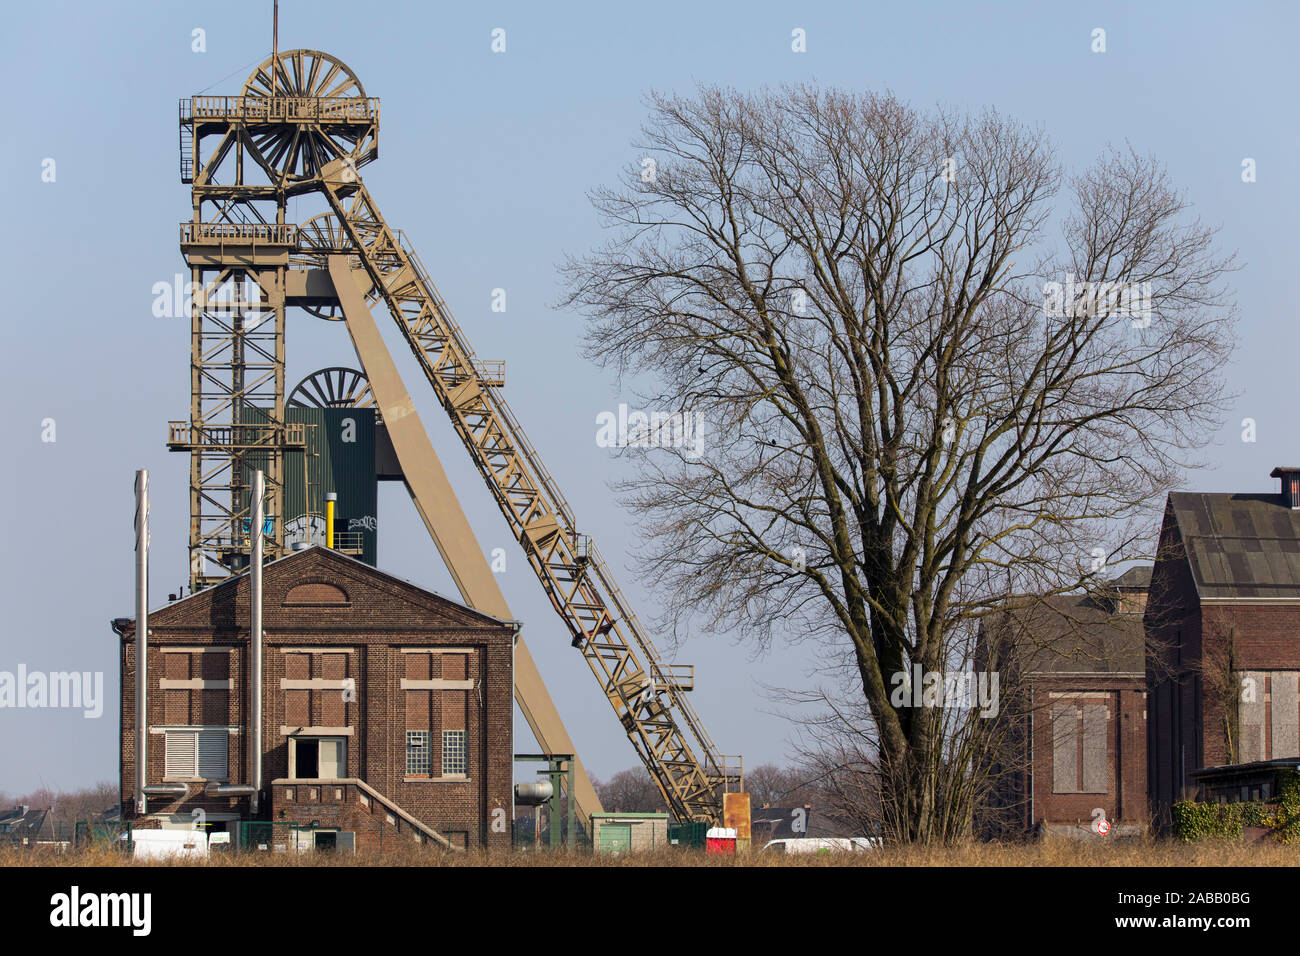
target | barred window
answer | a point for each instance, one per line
(453, 753)
(418, 757)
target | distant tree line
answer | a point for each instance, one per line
(68, 806)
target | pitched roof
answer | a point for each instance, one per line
(1240, 545)
(1089, 632)
(235, 589)
(25, 823)
(1076, 634)
(779, 823)
(1134, 579)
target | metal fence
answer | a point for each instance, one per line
(379, 834)
(690, 835)
(293, 837)
(114, 834)
(525, 835)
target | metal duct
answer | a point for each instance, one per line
(254, 741)
(141, 638)
(168, 790)
(230, 790)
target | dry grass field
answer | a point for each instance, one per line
(1048, 853)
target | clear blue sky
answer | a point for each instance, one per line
(485, 160)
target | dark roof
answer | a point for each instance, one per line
(1240, 545)
(775, 823)
(24, 823)
(1074, 634)
(778, 823)
(1228, 772)
(1134, 579)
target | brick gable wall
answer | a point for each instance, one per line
(380, 618)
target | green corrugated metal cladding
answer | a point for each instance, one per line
(339, 458)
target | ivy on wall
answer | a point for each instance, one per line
(1194, 821)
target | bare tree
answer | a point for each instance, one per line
(904, 417)
(42, 798)
(630, 791)
(88, 803)
(772, 785)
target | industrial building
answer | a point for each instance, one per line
(1075, 739)
(1223, 662)
(1178, 682)
(385, 711)
(298, 690)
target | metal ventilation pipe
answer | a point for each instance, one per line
(254, 742)
(230, 790)
(177, 790)
(141, 637)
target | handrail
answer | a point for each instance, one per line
(225, 435)
(597, 564)
(279, 233)
(316, 108)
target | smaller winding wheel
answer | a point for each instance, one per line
(335, 387)
(318, 238)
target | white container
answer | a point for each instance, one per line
(168, 844)
(823, 845)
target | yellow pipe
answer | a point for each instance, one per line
(329, 519)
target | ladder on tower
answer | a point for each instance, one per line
(647, 695)
(187, 144)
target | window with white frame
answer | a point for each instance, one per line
(418, 756)
(453, 753)
(196, 754)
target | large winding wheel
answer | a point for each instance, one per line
(331, 116)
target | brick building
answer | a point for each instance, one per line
(1072, 734)
(1223, 661)
(387, 711)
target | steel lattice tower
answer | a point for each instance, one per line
(245, 156)
(303, 126)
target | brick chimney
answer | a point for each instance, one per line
(1290, 485)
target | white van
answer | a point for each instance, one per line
(822, 845)
(159, 844)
